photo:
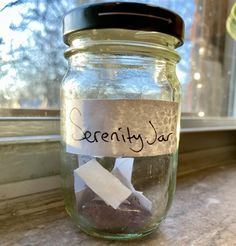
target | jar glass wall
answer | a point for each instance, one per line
(120, 114)
(135, 72)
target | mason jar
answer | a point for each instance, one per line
(120, 117)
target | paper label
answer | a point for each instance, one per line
(120, 127)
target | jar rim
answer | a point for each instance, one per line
(143, 49)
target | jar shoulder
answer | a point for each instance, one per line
(114, 82)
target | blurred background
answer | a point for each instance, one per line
(32, 61)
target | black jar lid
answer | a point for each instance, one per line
(126, 15)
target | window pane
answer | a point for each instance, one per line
(32, 63)
(31, 50)
(206, 70)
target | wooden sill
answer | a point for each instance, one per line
(203, 213)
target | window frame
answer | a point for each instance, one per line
(44, 132)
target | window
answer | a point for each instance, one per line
(32, 62)
(32, 66)
(31, 49)
(206, 70)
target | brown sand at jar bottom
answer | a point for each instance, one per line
(128, 217)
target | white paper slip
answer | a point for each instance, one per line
(79, 184)
(103, 183)
(126, 180)
(144, 201)
(125, 166)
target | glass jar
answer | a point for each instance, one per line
(120, 115)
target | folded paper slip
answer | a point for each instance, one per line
(103, 183)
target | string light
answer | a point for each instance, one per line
(197, 76)
(201, 51)
(199, 86)
(201, 114)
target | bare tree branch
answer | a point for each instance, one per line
(9, 5)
